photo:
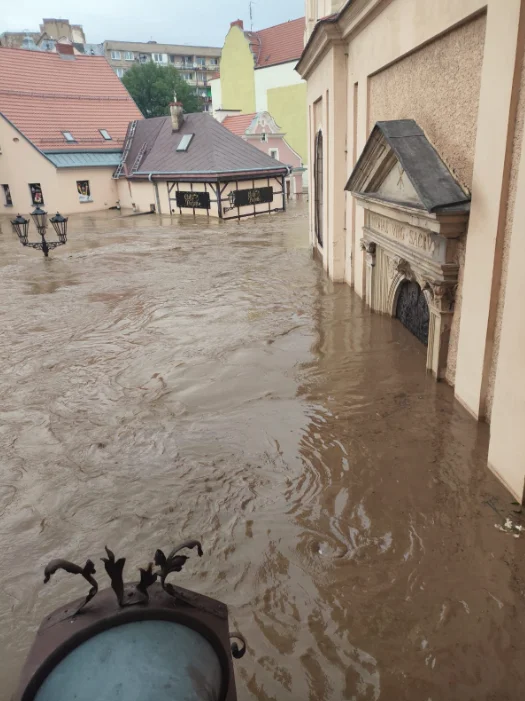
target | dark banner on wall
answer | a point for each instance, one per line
(257, 195)
(194, 200)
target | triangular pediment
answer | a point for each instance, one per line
(400, 165)
(263, 122)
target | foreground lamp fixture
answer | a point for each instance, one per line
(39, 217)
(149, 639)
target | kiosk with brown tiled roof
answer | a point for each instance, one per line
(192, 164)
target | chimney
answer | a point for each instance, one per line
(177, 116)
(238, 23)
(65, 50)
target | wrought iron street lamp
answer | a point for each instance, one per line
(39, 217)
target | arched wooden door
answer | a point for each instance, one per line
(412, 310)
(318, 184)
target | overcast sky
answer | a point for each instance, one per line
(203, 22)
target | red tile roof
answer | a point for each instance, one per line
(43, 95)
(238, 123)
(278, 44)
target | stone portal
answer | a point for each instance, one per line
(415, 214)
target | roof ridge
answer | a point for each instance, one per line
(279, 24)
(48, 54)
(62, 96)
(159, 43)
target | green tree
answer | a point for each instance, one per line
(153, 86)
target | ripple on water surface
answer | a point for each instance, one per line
(166, 378)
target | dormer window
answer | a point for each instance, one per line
(68, 136)
(105, 134)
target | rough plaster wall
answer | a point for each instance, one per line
(439, 86)
(516, 155)
(288, 107)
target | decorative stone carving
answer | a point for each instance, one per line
(415, 214)
(402, 267)
(443, 296)
(370, 249)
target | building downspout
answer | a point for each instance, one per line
(156, 188)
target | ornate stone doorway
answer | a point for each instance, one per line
(412, 310)
(415, 214)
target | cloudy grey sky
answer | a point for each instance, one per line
(204, 22)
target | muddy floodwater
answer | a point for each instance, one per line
(166, 379)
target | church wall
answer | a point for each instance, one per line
(455, 66)
(438, 86)
(511, 202)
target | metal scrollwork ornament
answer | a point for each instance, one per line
(114, 567)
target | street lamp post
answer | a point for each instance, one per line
(39, 217)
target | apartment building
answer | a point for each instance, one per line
(197, 64)
(51, 30)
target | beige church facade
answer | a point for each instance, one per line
(416, 111)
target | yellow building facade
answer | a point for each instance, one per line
(258, 75)
(456, 70)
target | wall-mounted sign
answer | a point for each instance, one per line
(257, 195)
(195, 200)
(36, 193)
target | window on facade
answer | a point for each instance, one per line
(36, 193)
(115, 55)
(84, 192)
(188, 76)
(8, 202)
(119, 72)
(214, 61)
(105, 134)
(274, 153)
(264, 138)
(319, 187)
(68, 136)
(129, 56)
(200, 61)
(159, 58)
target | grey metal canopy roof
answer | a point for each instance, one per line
(213, 151)
(84, 159)
(433, 182)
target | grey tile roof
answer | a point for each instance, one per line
(213, 151)
(432, 180)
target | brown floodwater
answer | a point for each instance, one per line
(166, 379)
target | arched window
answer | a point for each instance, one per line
(318, 186)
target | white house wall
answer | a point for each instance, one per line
(272, 77)
(216, 94)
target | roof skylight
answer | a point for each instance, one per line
(68, 136)
(185, 142)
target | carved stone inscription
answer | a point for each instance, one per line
(416, 238)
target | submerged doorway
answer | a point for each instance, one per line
(319, 192)
(412, 310)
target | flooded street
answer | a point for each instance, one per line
(163, 381)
